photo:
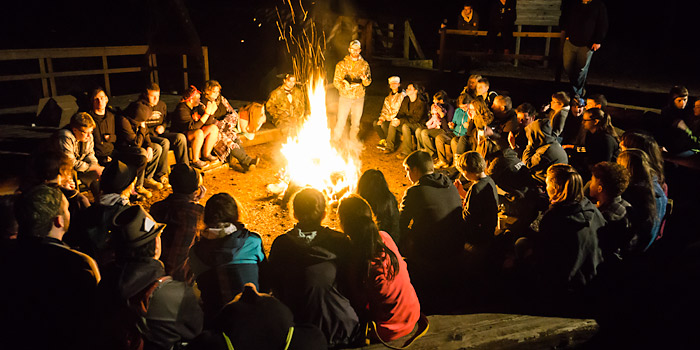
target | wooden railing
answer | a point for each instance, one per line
(48, 75)
(444, 32)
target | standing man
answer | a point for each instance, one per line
(286, 106)
(352, 76)
(584, 24)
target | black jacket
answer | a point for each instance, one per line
(567, 248)
(542, 149)
(413, 112)
(153, 116)
(307, 277)
(433, 209)
(585, 25)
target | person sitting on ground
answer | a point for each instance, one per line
(503, 114)
(412, 114)
(195, 121)
(608, 182)
(480, 208)
(152, 109)
(392, 103)
(470, 88)
(183, 214)
(675, 135)
(482, 90)
(647, 143)
(93, 229)
(441, 114)
(647, 216)
(373, 187)
(104, 133)
(227, 256)
(431, 230)
(602, 144)
(542, 151)
(140, 306)
(383, 292)
(558, 112)
(565, 250)
(517, 138)
(574, 134)
(455, 141)
(257, 321)
(287, 107)
(596, 101)
(229, 143)
(54, 168)
(502, 17)
(134, 147)
(62, 314)
(507, 170)
(75, 141)
(307, 265)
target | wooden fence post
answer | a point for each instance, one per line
(184, 72)
(441, 58)
(105, 69)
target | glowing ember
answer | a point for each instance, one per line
(312, 160)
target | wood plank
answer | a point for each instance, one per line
(74, 73)
(515, 34)
(501, 331)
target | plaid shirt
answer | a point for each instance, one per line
(184, 219)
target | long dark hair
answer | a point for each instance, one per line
(356, 220)
(605, 121)
(373, 187)
(647, 143)
(638, 164)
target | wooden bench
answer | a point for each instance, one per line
(501, 331)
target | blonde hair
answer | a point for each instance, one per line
(567, 182)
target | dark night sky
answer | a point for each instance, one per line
(642, 40)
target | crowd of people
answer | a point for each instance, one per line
(531, 210)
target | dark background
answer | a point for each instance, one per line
(648, 42)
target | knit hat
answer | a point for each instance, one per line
(184, 179)
(394, 79)
(355, 43)
(260, 321)
(136, 226)
(116, 177)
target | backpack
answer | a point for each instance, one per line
(132, 325)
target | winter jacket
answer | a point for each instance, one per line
(584, 24)
(308, 269)
(224, 262)
(104, 133)
(434, 207)
(152, 115)
(542, 149)
(567, 247)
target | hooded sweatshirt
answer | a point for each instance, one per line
(567, 246)
(542, 149)
(226, 258)
(307, 269)
(435, 208)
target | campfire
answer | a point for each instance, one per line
(313, 160)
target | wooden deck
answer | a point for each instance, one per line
(501, 331)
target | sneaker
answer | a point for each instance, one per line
(152, 184)
(382, 143)
(401, 156)
(199, 164)
(165, 181)
(387, 151)
(252, 165)
(440, 165)
(144, 192)
(210, 158)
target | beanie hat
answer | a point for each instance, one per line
(116, 177)
(394, 79)
(184, 179)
